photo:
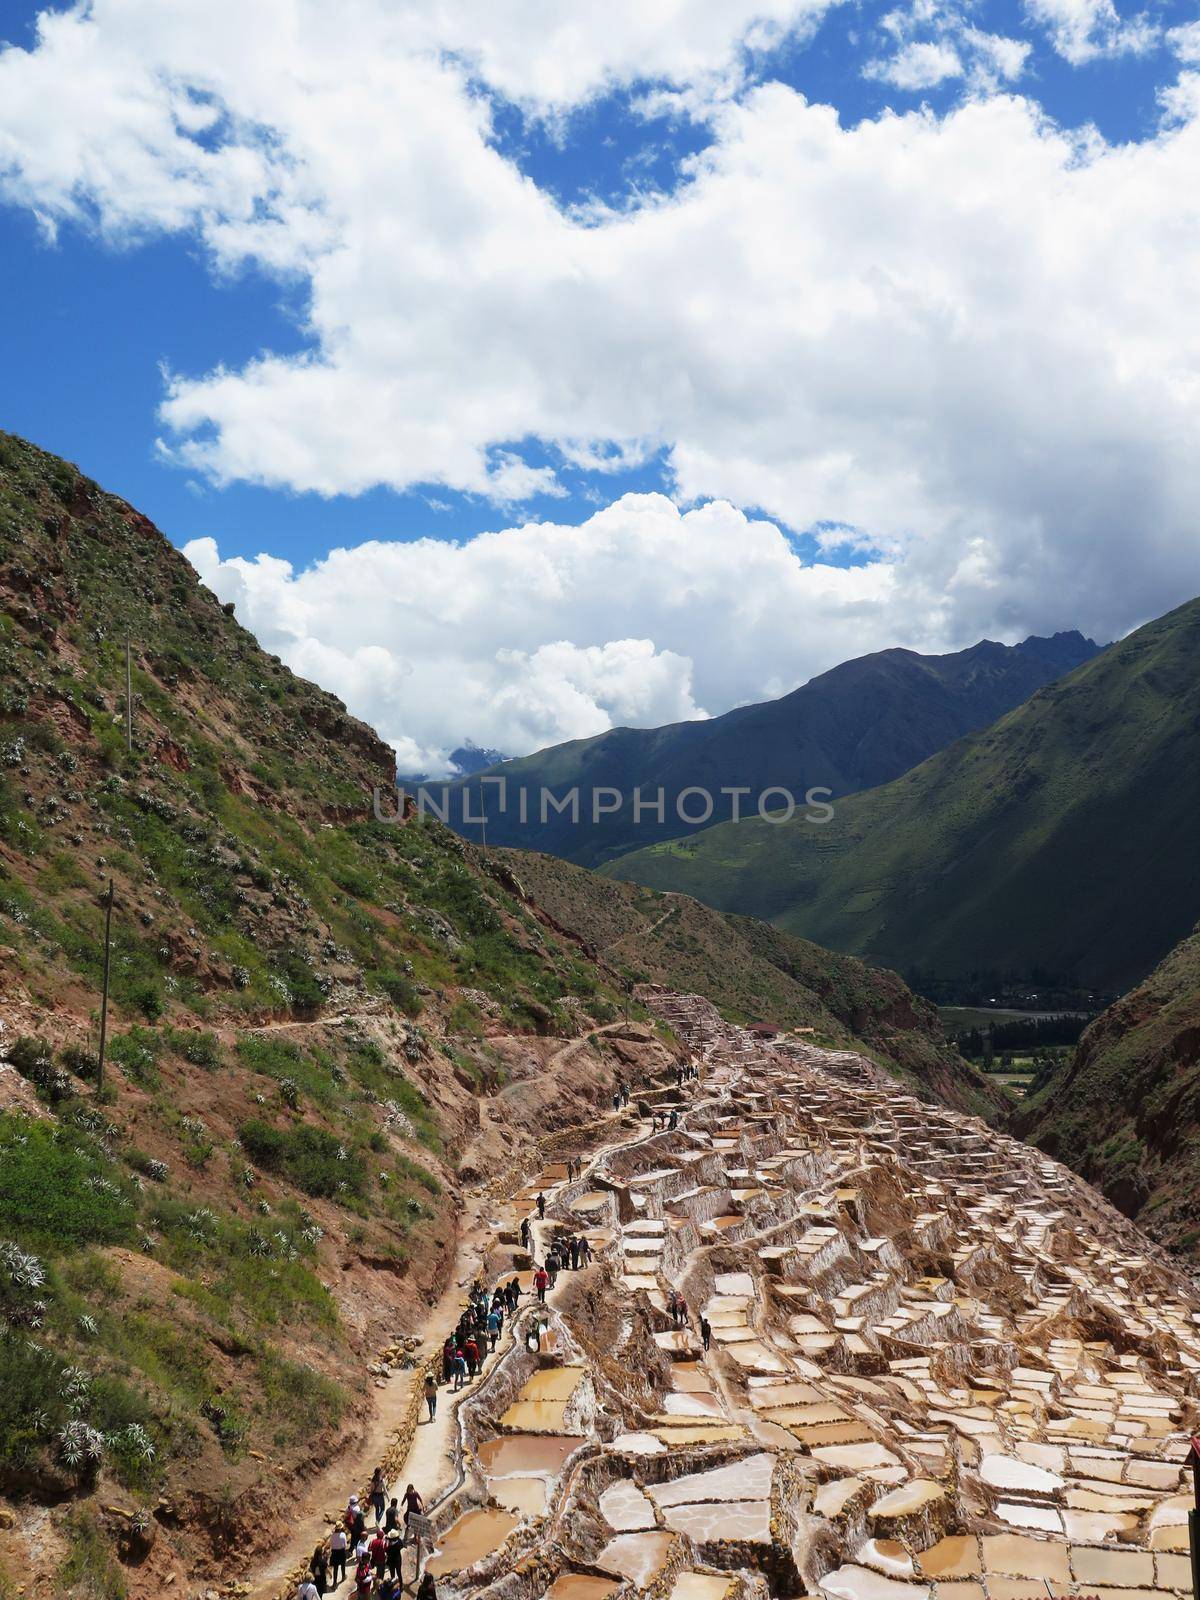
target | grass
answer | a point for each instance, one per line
(89, 1571)
(59, 1190)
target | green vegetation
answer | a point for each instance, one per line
(1062, 839)
(311, 1158)
(754, 972)
(1124, 1110)
(59, 1189)
(90, 1572)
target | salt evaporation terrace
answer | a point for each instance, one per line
(942, 1368)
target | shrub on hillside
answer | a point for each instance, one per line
(313, 1159)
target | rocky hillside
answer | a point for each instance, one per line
(755, 973)
(1125, 1112)
(1060, 845)
(856, 726)
(309, 1007)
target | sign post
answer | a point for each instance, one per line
(419, 1530)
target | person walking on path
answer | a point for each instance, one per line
(459, 1367)
(705, 1333)
(337, 1556)
(356, 1522)
(471, 1351)
(493, 1329)
(448, 1360)
(308, 1591)
(541, 1205)
(427, 1589)
(318, 1569)
(541, 1282)
(378, 1495)
(525, 1234)
(430, 1396)
(552, 1265)
(414, 1505)
(585, 1249)
(395, 1551)
(378, 1553)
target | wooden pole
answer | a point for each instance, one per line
(108, 907)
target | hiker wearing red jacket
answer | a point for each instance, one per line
(471, 1351)
(541, 1282)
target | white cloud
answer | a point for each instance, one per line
(1185, 42)
(517, 639)
(1081, 30)
(919, 65)
(973, 336)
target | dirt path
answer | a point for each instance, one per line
(432, 1462)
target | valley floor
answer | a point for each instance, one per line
(940, 1367)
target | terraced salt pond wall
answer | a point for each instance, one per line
(941, 1368)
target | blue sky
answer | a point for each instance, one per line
(80, 367)
(933, 344)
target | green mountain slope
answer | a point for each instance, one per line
(856, 726)
(755, 973)
(307, 1004)
(1126, 1111)
(1062, 841)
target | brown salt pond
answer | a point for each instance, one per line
(581, 1586)
(552, 1383)
(524, 1497)
(700, 1586)
(535, 1416)
(525, 1453)
(472, 1537)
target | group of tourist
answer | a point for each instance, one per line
(477, 1335)
(373, 1560)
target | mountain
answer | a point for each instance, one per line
(466, 759)
(1062, 844)
(328, 1030)
(754, 973)
(308, 1008)
(856, 726)
(1125, 1112)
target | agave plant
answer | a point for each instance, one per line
(79, 1445)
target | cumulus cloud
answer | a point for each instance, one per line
(919, 65)
(973, 337)
(534, 634)
(1081, 30)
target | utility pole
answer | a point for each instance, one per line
(128, 698)
(108, 908)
